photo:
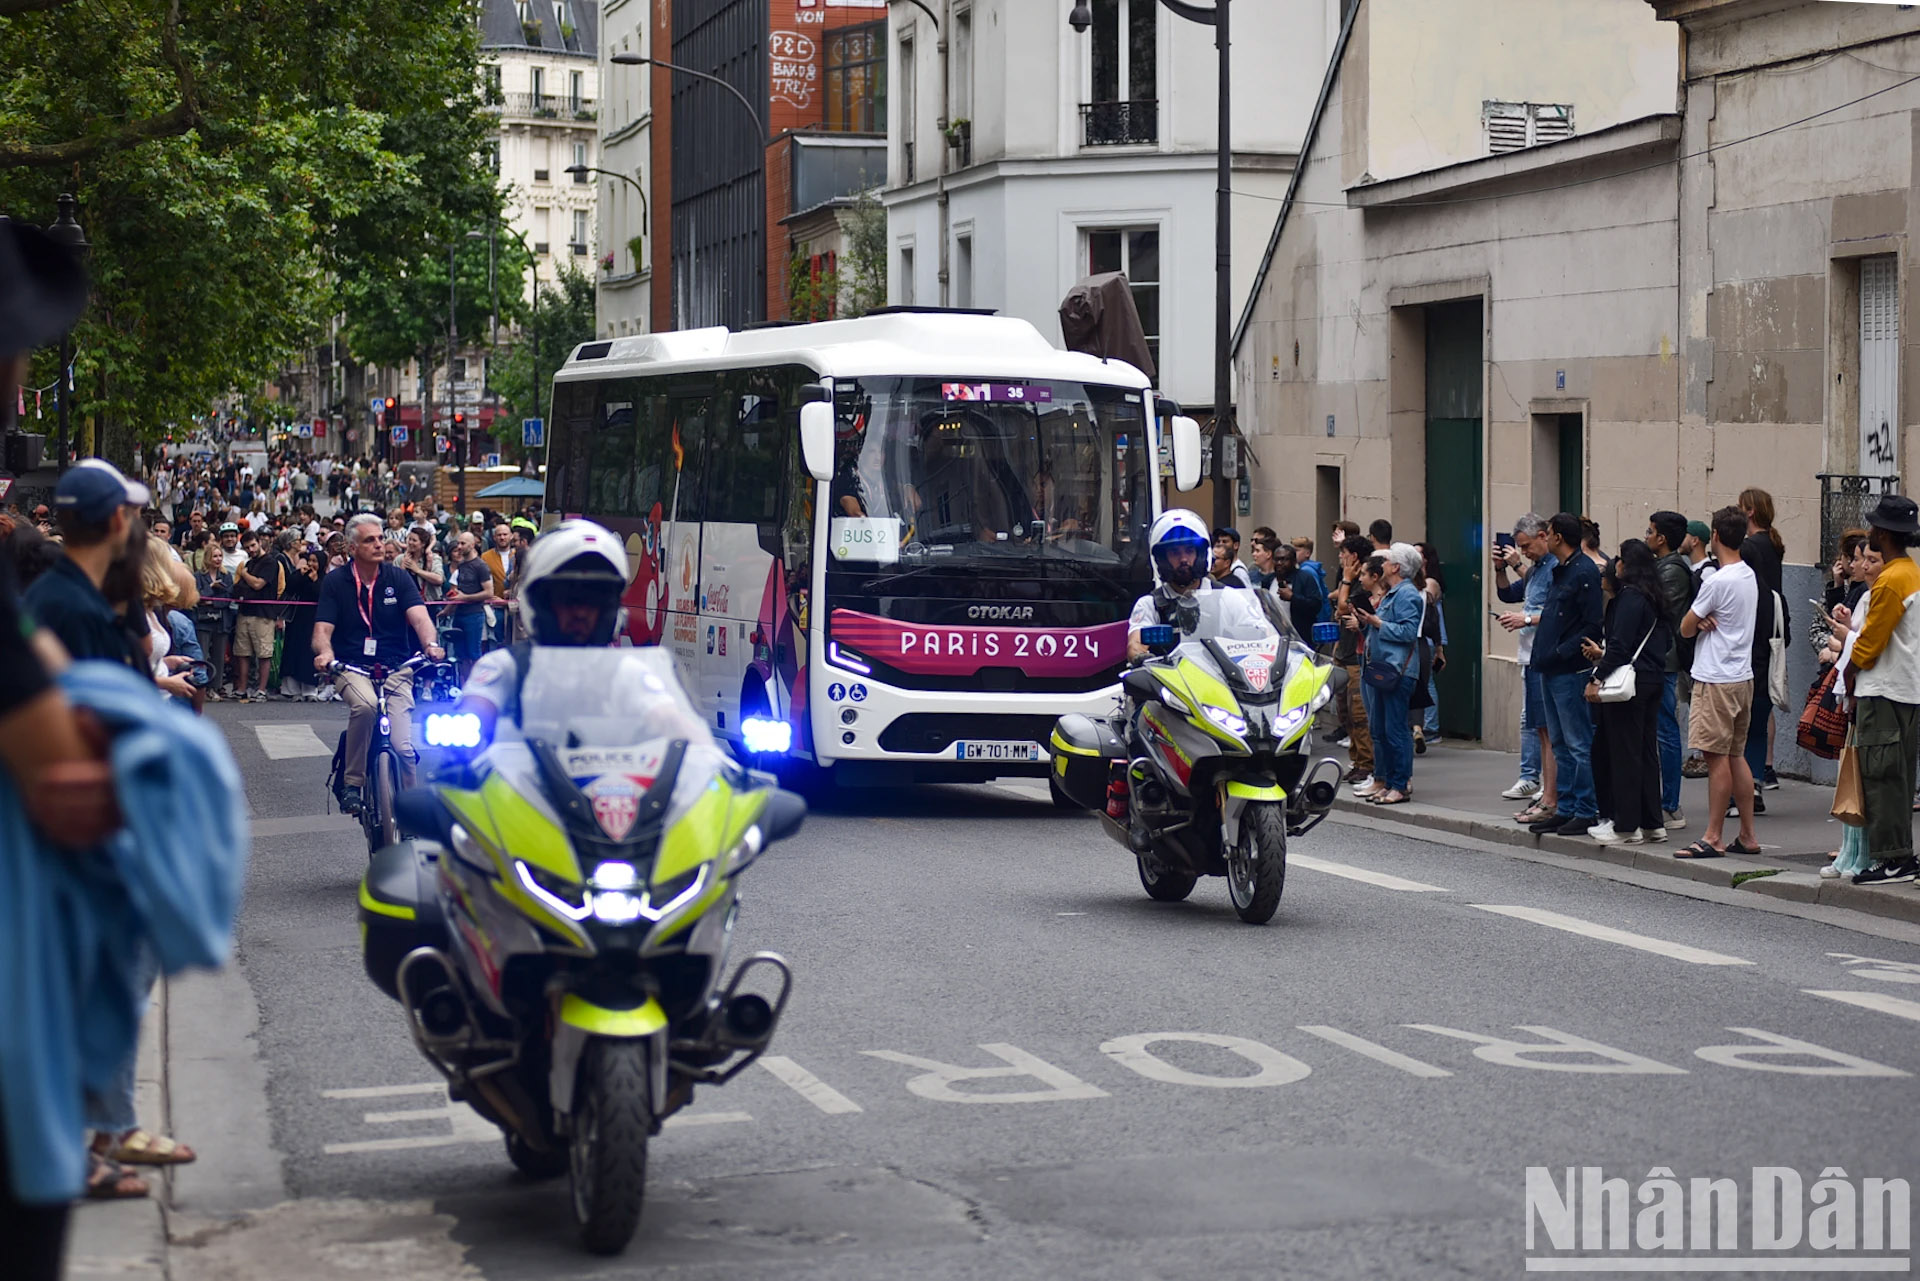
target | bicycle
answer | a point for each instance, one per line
(383, 763)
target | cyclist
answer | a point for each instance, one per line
(369, 607)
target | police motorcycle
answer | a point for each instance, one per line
(1211, 747)
(557, 924)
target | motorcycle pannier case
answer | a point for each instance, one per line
(399, 912)
(1084, 752)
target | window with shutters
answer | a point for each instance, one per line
(1514, 126)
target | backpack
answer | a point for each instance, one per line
(1684, 646)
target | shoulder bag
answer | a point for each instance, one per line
(1823, 724)
(1384, 676)
(1619, 685)
(1777, 655)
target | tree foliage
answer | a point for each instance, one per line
(237, 163)
(562, 316)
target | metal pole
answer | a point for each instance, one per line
(66, 376)
(1223, 279)
(493, 325)
(453, 388)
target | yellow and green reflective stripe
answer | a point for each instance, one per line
(643, 1020)
(699, 835)
(374, 905)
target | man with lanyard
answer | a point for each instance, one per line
(369, 607)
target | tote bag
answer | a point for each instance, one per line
(1849, 796)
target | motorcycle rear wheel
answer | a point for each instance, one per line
(532, 1162)
(608, 1156)
(1255, 884)
(1164, 886)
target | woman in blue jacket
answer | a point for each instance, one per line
(1393, 630)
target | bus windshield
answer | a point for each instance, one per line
(930, 471)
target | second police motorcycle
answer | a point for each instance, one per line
(1211, 745)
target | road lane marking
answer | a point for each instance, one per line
(683, 1121)
(1879, 1002)
(285, 740)
(1722, 1263)
(386, 1091)
(808, 1086)
(1384, 880)
(1378, 1053)
(1607, 934)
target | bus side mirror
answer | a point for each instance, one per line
(1186, 453)
(816, 440)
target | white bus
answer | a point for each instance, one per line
(897, 547)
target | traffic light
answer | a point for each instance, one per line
(389, 409)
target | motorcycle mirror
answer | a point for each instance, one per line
(784, 814)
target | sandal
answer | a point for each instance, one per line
(1699, 849)
(1738, 846)
(1535, 814)
(108, 1180)
(139, 1147)
(1390, 798)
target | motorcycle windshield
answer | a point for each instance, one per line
(609, 715)
(1234, 620)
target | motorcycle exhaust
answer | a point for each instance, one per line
(1315, 797)
(748, 1018)
(442, 1013)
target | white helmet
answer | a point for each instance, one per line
(1178, 527)
(573, 564)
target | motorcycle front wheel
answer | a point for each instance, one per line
(607, 1161)
(1257, 871)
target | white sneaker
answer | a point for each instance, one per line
(1371, 789)
(1344, 742)
(1524, 789)
(1656, 834)
(1364, 785)
(1831, 872)
(1603, 832)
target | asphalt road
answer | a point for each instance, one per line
(1156, 1091)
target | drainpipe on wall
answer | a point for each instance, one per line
(945, 152)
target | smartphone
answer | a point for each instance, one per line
(1495, 613)
(1503, 540)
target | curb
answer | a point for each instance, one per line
(1900, 904)
(127, 1240)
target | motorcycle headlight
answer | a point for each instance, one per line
(1320, 700)
(610, 894)
(1174, 701)
(1284, 726)
(1228, 721)
(559, 897)
(665, 902)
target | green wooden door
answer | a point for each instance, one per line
(1454, 527)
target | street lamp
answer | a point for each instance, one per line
(66, 231)
(1214, 16)
(759, 131)
(533, 318)
(638, 189)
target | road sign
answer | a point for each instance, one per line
(533, 433)
(399, 433)
(303, 430)
(319, 429)
(440, 444)
(379, 403)
(493, 460)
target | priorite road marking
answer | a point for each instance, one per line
(386, 1091)
(1607, 934)
(1879, 1002)
(808, 1086)
(1378, 1053)
(287, 739)
(1384, 880)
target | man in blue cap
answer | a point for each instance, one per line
(96, 510)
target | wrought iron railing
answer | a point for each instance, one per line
(546, 106)
(1844, 504)
(1112, 124)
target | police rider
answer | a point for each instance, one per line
(570, 588)
(369, 607)
(1180, 549)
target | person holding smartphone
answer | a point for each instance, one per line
(1523, 575)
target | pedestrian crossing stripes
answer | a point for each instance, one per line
(1608, 934)
(285, 740)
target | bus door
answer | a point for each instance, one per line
(688, 410)
(740, 553)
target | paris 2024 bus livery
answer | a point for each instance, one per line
(898, 547)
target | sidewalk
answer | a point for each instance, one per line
(1457, 786)
(127, 1240)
